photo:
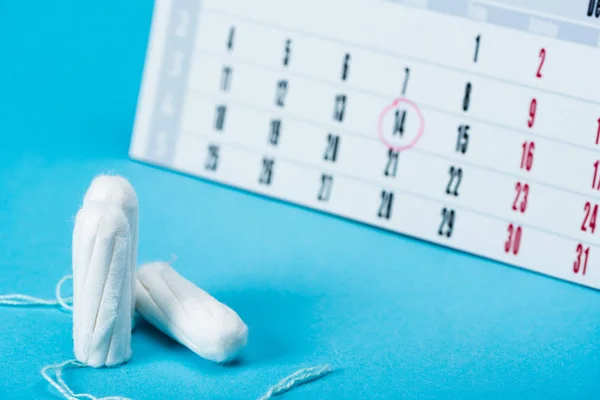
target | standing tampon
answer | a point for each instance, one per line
(103, 273)
(101, 286)
(188, 314)
(117, 191)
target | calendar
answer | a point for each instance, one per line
(474, 125)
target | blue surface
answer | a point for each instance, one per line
(399, 318)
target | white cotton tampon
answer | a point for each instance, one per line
(104, 273)
(117, 191)
(101, 286)
(188, 314)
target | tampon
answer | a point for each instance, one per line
(117, 191)
(104, 251)
(188, 314)
(101, 286)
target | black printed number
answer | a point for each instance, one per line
(274, 131)
(287, 52)
(467, 98)
(325, 189)
(331, 151)
(346, 67)
(391, 168)
(212, 158)
(462, 139)
(405, 84)
(385, 205)
(447, 225)
(266, 171)
(220, 113)
(231, 38)
(339, 107)
(454, 180)
(477, 43)
(281, 93)
(226, 78)
(593, 8)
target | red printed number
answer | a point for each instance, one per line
(520, 203)
(532, 110)
(542, 59)
(596, 180)
(513, 243)
(583, 253)
(589, 220)
(527, 155)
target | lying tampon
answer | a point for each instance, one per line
(103, 274)
(188, 314)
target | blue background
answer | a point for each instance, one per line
(399, 318)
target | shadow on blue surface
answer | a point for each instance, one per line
(270, 316)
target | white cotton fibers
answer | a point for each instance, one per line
(188, 314)
(104, 251)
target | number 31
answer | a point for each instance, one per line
(583, 253)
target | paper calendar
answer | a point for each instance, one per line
(471, 124)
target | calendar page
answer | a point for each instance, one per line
(471, 124)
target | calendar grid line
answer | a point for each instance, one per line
(400, 55)
(456, 205)
(344, 130)
(348, 86)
